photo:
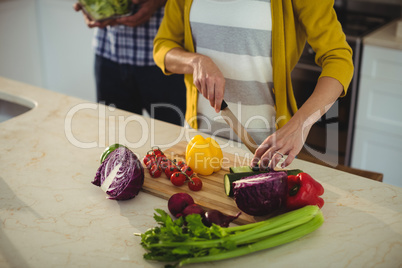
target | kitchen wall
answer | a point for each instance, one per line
(47, 44)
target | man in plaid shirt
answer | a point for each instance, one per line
(125, 72)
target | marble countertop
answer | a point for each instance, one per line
(388, 36)
(52, 216)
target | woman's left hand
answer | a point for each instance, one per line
(287, 141)
(290, 138)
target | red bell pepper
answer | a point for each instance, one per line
(303, 190)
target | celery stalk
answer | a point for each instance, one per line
(194, 242)
(273, 241)
(278, 220)
(255, 231)
(252, 238)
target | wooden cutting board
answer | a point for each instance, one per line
(211, 196)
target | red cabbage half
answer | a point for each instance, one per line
(261, 194)
(120, 175)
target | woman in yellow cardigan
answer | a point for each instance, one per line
(210, 41)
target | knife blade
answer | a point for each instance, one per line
(237, 127)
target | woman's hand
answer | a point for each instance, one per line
(290, 139)
(207, 77)
(209, 80)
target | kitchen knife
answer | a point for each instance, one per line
(237, 127)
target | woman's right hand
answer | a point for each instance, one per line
(209, 80)
(207, 77)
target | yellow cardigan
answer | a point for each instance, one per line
(293, 23)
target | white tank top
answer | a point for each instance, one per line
(236, 35)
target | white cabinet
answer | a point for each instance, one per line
(46, 43)
(377, 142)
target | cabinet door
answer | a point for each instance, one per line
(377, 144)
(378, 152)
(382, 63)
(380, 105)
(380, 93)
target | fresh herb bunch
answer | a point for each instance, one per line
(102, 9)
(188, 240)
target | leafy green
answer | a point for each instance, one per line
(102, 9)
(189, 241)
(121, 6)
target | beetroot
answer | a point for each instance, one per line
(217, 217)
(178, 202)
(193, 209)
(182, 205)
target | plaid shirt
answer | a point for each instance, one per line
(128, 45)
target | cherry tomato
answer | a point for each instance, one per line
(147, 157)
(188, 170)
(155, 171)
(158, 151)
(178, 178)
(180, 164)
(150, 163)
(170, 170)
(162, 161)
(196, 186)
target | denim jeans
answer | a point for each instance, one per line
(134, 88)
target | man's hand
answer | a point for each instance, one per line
(146, 9)
(91, 23)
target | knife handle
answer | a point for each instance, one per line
(224, 105)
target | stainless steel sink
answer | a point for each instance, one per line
(12, 106)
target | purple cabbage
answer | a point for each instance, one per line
(261, 194)
(120, 175)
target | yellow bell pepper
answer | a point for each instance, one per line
(204, 156)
